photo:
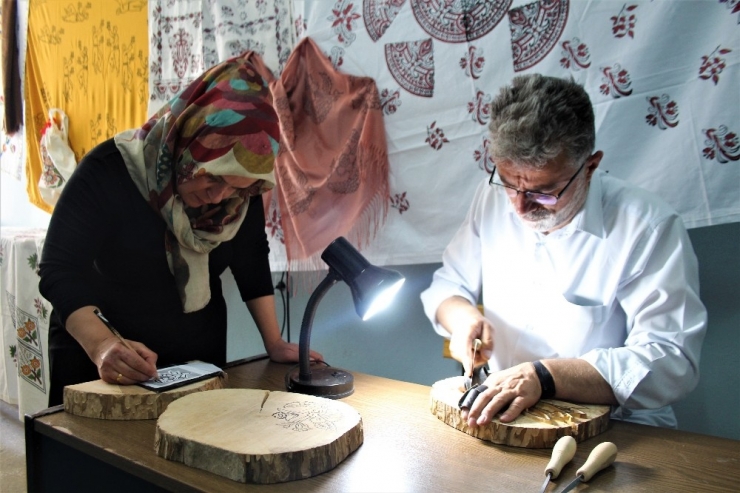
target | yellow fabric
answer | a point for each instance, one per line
(89, 59)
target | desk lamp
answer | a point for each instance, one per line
(372, 288)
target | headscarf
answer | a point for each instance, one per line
(222, 124)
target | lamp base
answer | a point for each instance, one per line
(324, 381)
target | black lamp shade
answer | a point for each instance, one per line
(372, 287)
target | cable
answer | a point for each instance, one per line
(280, 286)
(285, 298)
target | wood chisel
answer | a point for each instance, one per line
(600, 457)
(469, 383)
(562, 453)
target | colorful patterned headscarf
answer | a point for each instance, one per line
(223, 124)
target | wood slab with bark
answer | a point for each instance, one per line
(101, 400)
(258, 436)
(540, 426)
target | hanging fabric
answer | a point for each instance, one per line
(332, 167)
(58, 160)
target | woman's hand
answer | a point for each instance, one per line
(287, 352)
(263, 312)
(118, 364)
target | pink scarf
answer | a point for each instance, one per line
(332, 167)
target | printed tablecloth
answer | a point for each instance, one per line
(24, 364)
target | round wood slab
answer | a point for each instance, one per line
(101, 400)
(540, 426)
(258, 436)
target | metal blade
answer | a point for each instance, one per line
(572, 484)
(547, 481)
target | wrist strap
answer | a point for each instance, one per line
(546, 381)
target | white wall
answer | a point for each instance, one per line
(15, 209)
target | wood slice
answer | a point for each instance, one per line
(98, 399)
(258, 436)
(539, 426)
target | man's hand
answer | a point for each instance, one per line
(511, 391)
(466, 324)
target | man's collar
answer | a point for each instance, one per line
(590, 219)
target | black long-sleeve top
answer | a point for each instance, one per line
(105, 246)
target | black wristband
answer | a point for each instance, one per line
(546, 381)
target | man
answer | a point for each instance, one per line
(589, 285)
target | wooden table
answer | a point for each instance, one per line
(406, 448)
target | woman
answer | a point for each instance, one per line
(146, 225)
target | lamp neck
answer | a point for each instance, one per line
(304, 357)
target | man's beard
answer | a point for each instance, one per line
(543, 220)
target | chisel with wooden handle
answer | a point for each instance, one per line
(562, 453)
(600, 458)
(470, 380)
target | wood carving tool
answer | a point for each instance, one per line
(600, 458)
(476, 346)
(562, 453)
(469, 380)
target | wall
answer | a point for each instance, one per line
(15, 210)
(400, 343)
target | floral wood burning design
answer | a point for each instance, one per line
(173, 375)
(306, 416)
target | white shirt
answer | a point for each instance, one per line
(618, 287)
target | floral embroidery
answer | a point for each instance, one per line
(712, 65)
(721, 144)
(663, 112)
(400, 202)
(623, 24)
(435, 136)
(343, 20)
(473, 61)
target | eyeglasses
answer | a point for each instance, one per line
(540, 198)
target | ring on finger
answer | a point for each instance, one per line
(118, 378)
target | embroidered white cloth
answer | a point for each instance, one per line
(24, 317)
(187, 37)
(663, 78)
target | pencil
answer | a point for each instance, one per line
(115, 332)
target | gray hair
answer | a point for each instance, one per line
(537, 117)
